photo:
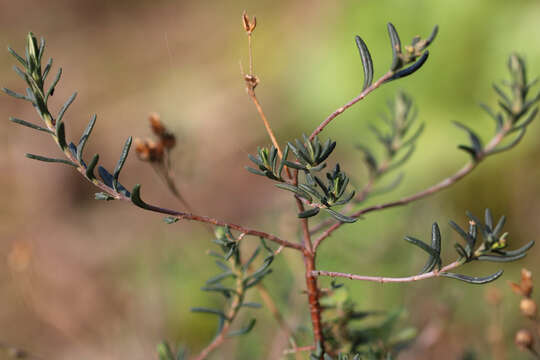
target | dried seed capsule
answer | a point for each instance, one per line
(528, 307)
(524, 339)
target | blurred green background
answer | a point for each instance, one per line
(87, 279)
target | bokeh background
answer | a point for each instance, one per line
(92, 280)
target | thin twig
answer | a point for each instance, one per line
(309, 256)
(339, 111)
(379, 279)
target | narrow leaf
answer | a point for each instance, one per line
(136, 198)
(61, 135)
(341, 217)
(367, 63)
(472, 279)
(422, 245)
(309, 213)
(519, 251)
(511, 144)
(18, 57)
(475, 140)
(295, 190)
(209, 311)
(495, 258)
(16, 95)
(51, 160)
(411, 69)
(50, 92)
(30, 125)
(121, 161)
(396, 47)
(65, 107)
(91, 166)
(244, 330)
(84, 137)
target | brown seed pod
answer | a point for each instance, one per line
(524, 339)
(528, 307)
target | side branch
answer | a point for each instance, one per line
(342, 109)
(204, 219)
(464, 171)
(380, 279)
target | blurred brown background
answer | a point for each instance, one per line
(93, 280)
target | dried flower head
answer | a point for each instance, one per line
(525, 286)
(149, 150)
(249, 25)
(155, 123)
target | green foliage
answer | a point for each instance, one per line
(491, 248)
(516, 112)
(397, 138)
(347, 335)
(35, 78)
(342, 328)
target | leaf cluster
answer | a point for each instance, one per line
(346, 332)
(481, 242)
(35, 77)
(402, 56)
(516, 111)
(310, 156)
(235, 279)
(397, 138)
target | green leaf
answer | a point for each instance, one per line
(422, 245)
(472, 279)
(136, 198)
(30, 125)
(61, 135)
(309, 213)
(216, 279)
(341, 217)
(16, 95)
(396, 47)
(244, 330)
(252, 305)
(47, 69)
(51, 160)
(411, 69)
(65, 107)
(120, 163)
(475, 140)
(519, 251)
(53, 85)
(84, 137)
(18, 57)
(301, 193)
(523, 124)
(91, 166)
(367, 63)
(506, 258)
(205, 310)
(511, 144)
